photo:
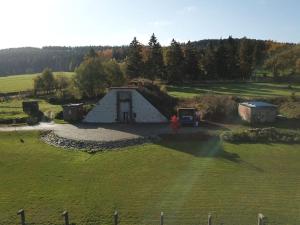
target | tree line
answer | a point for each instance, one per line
(225, 59)
(35, 60)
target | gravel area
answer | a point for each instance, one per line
(95, 137)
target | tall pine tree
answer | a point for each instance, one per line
(232, 58)
(209, 62)
(191, 67)
(135, 64)
(246, 58)
(221, 61)
(174, 63)
(155, 67)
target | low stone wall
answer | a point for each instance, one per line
(93, 146)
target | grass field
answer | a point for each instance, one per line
(186, 180)
(13, 109)
(239, 89)
(24, 82)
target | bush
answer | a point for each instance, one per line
(290, 109)
(255, 135)
(59, 115)
(217, 108)
(33, 120)
(157, 96)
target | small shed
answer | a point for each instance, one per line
(73, 112)
(30, 107)
(257, 112)
(187, 116)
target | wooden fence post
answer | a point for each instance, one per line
(161, 218)
(116, 218)
(21, 212)
(260, 219)
(65, 214)
(209, 220)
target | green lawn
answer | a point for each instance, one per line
(186, 180)
(23, 82)
(13, 109)
(238, 89)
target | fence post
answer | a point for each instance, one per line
(161, 218)
(116, 218)
(209, 220)
(21, 212)
(260, 219)
(65, 214)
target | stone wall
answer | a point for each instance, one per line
(93, 146)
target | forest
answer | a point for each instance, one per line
(214, 59)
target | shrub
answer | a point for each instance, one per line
(217, 108)
(157, 96)
(255, 135)
(290, 109)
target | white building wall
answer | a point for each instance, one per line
(145, 111)
(105, 110)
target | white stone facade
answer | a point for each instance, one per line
(105, 110)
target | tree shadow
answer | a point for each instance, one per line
(204, 145)
(199, 144)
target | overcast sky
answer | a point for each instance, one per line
(40, 23)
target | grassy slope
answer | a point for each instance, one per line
(13, 108)
(186, 180)
(21, 82)
(246, 90)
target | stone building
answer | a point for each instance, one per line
(124, 105)
(257, 112)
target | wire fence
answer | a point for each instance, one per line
(67, 220)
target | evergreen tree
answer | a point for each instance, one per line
(135, 64)
(191, 67)
(246, 58)
(232, 58)
(209, 62)
(155, 64)
(174, 62)
(221, 61)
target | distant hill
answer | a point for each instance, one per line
(34, 60)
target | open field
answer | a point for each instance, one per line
(23, 82)
(238, 89)
(186, 180)
(12, 109)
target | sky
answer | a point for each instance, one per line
(38, 23)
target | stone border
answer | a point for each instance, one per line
(53, 139)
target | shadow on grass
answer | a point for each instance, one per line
(199, 145)
(203, 145)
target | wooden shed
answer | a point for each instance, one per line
(73, 112)
(257, 112)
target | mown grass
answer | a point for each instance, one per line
(24, 82)
(12, 109)
(237, 89)
(187, 180)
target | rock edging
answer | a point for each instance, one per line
(53, 139)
